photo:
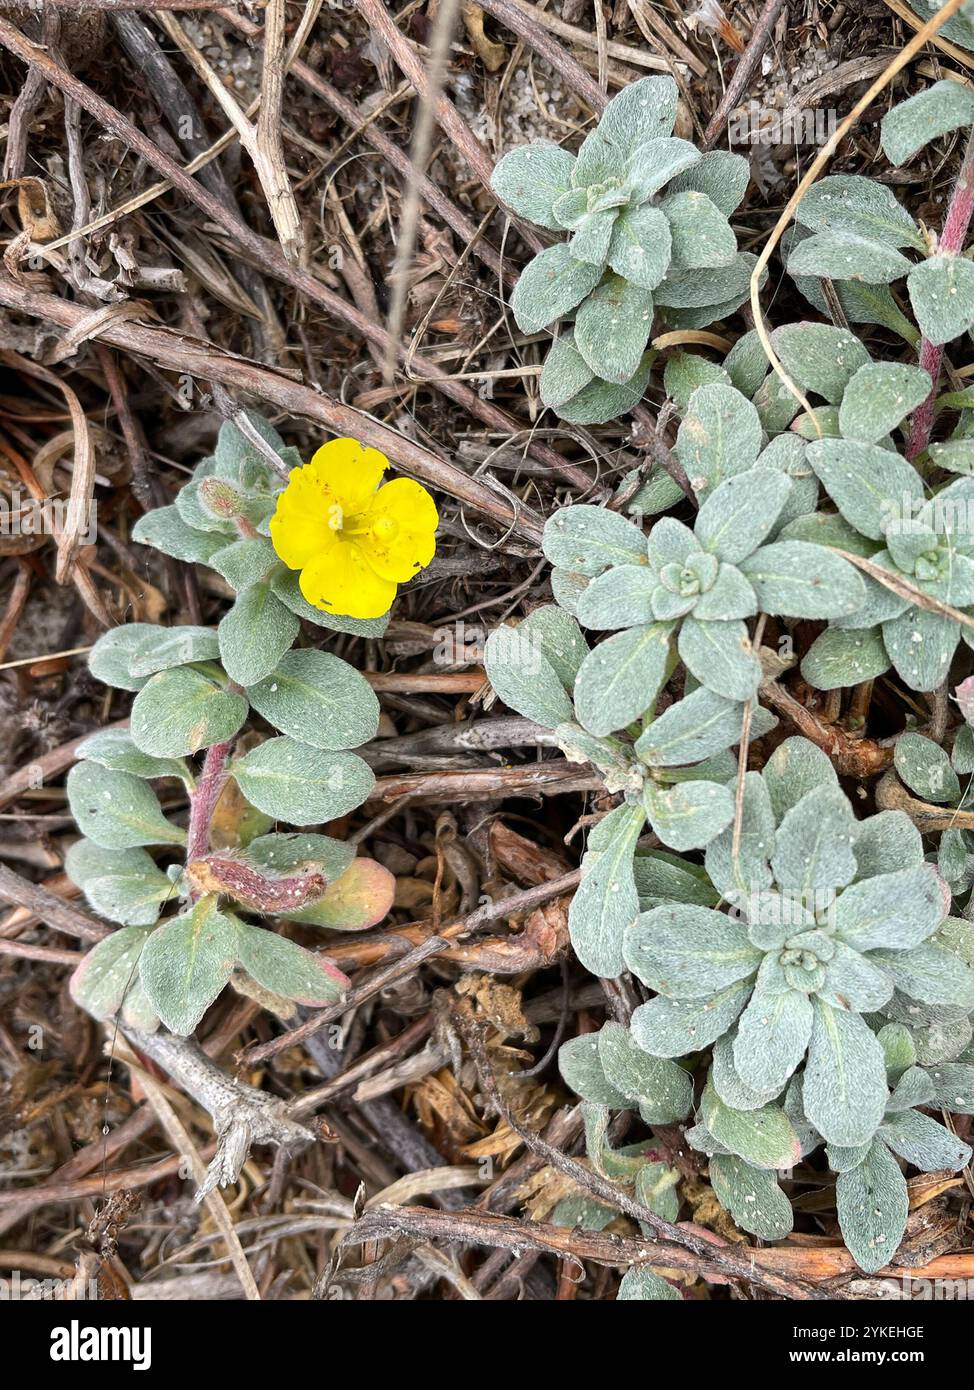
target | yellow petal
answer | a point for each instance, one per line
(300, 526)
(409, 503)
(402, 535)
(350, 471)
(338, 580)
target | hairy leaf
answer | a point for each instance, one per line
(819, 358)
(640, 248)
(795, 767)
(690, 815)
(116, 810)
(772, 1035)
(109, 973)
(865, 481)
(549, 286)
(621, 677)
(925, 768)
(673, 1027)
(163, 648)
(662, 1090)
(847, 256)
(845, 1077)
(525, 679)
(879, 397)
(612, 328)
(696, 727)
(689, 952)
(123, 885)
(752, 1196)
(872, 1205)
(606, 904)
(926, 116)
(304, 786)
(838, 659)
(531, 178)
(923, 1142)
(720, 656)
(186, 963)
(701, 234)
(897, 910)
(848, 203)
(798, 580)
(255, 634)
(942, 294)
(740, 513)
(565, 372)
(318, 699)
(580, 1064)
(287, 969)
(813, 848)
(181, 711)
(762, 1137)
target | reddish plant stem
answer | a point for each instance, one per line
(952, 239)
(203, 801)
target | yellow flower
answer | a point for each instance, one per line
(353, 541)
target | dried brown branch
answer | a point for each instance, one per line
(263, 252)
(241, 1114)
(361, 125)
(49, 907)
(264, 142)
(746, 65)
(555, 777)
(721, 1260)
(206, 362)
(181, 1140)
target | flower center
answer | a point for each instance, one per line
(383, 529)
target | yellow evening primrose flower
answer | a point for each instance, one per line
(353, 541)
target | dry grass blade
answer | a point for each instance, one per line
(76, 527)
(262, 142)
(179, 1137)
(446, 15)
(207, 363)
(898, 584)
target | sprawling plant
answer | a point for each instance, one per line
(195, 688)
(647, 217)
(858, 234)
(823, 930)
(809, 961)
(673, 770)
(679, 594)
(935, 776)
(831, 927)
(702, 584)
(921, 552)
